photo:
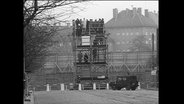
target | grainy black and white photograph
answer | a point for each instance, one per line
(91, 52)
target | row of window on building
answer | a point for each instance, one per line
(137, 33)
(130, 42)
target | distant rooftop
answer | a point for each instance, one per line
(130, 18)
(154, 17)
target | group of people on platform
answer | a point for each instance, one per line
(80, 56)
(98, 41)
(88, 25)
(85, 56)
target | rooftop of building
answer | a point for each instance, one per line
(130, 18)
(154, 16)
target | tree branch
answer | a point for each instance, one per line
(27, 20)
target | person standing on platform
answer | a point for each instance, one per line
(77, 26)
(74, 24)
(94, 54)
(86, 58)
(80, 57)
(80, 27)
(91, 23)
(84, 24)
(99, 26)
(95, 25)
(95, 42)
(87, 25)
(102, 25)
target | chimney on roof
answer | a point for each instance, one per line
(115, 13)
(129, 12)
(134, 11)
(139, 11)
(146, 13)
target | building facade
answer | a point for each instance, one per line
(128, 26)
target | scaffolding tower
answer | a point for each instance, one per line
(90, 49)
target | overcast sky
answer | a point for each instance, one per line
(103, 9)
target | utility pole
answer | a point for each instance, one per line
(152, 52)
(157, 48)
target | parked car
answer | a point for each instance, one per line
(127, 82)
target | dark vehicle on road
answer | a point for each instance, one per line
(127, 82)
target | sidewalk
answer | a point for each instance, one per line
(155, 89)
(31, 99)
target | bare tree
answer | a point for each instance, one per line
(36, 42)
(37, 11)
(139, 44)
(40, 25)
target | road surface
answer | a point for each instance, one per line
(96, 97)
